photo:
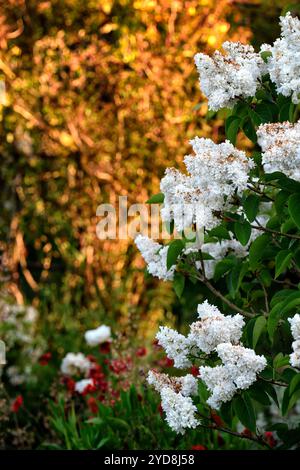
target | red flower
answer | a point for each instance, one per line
(117, 366)
(16, 405)
(69, 383)
(198, 447)
(92, 404)
(45, 358)
(169, 362)
(195, 371)
(140, 352)
(104, 348)
(91, 358)
(217, 419)
(270, 439)
(89, 389)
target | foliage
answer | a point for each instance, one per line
(262, 284)
(134, 423)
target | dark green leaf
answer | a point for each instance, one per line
(245, 411)
(257, 249)
(259, 326)
(242, 231)
(174, 251)
(282, 261)
(251, 205)
(232, 125)
(178, 284)
(294, 208)
(156, 199)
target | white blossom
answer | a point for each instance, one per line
(238, 371)
(186, 385)
(295, 356)
(180, 410)
(219, 384)
(214, 328)
(280, 143)
(284, 63)
(241, 363)
(83, 384)
(74, 363)
(155, 255)
(225, 78)
(295, 328)
(99, 335)
(216, 172)
(176, 345)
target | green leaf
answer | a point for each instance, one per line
(294, 208)
(264, 111)
(268, 387)
(249, 129)
(273, 319)
(285, 113)
(178, 284)
(242, 231)
(280, 361)
(245, 411)
(295, 384)
(257, 249)
(174, 251)
(236, 276)
(255, 118)
(257, 392)
(259, 327)
(281, 309)
(219, 232)
(232, 125)
(265, 55)
(156, 199)
(251, 205)
(223, 267)
(282, 262)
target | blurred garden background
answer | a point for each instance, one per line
(98, 97)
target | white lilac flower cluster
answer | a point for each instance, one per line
(283, 64)
(176, 399)
(155, 255)
(213, 332)
(224, 78)
(211, 329)
(237, 74)
(99, 335)
(214, 328)
(295, 328)
(237, 372)
(176, 345)
(280, 143)
(216, 173)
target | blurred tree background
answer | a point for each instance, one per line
(100, 96)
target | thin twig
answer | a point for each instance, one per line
(256, 439)
(224, 299)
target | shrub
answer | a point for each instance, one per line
(244, 256)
